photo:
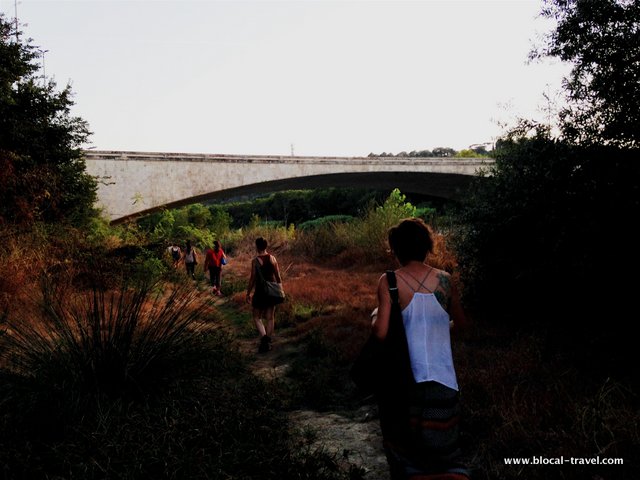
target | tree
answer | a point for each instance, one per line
(444, 152)
(42, 170)
(601, 38)
(545, 239)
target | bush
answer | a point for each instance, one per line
(545, 232)
(361, 240)
(42, 169)
(322, 221)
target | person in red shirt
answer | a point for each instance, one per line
(213, 262)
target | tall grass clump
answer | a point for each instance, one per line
(121, 344)
(135, 384)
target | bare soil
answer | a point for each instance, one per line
(352, 437)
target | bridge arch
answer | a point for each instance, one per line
(132, 184)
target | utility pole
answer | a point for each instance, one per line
(15, 7)
(44, 71)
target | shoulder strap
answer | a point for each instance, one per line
(393, 286)
(259, 270)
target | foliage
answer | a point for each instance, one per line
(124, 388)
(42, 171)
(120, 344)
(198, 223)
(277, 235)
(601, 38)
(444, 152)
(298, 206)
(364, 238)
(319, 222)
(436, 152)
(469, 153)
(534, 231)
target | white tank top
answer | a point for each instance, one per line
(427, 326)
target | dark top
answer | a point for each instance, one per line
(268, 270)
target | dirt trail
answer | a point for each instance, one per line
(353, 437)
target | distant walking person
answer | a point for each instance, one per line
(176, 254)
(264, 268)
(190, 259)
(213, 263)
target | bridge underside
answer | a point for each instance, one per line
(443, 185)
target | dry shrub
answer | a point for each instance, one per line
(22, 258)
(519, 402)
(442, 256)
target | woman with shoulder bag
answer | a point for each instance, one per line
(417, 305)
(266, 284)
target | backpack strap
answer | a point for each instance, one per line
(393, 286)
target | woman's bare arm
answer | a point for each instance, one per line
(252, 281)
(456, 312)
(380, 325)
(276, 269)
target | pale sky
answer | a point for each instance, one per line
(338, 78)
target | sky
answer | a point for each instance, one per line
(308, 77)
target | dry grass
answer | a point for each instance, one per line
(336, 300)
(23, 257)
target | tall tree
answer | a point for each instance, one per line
(42, 170)
(601, 38)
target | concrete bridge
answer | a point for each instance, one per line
(137, 183)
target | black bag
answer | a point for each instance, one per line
(383, 365)
(273, 290)
(365, 370)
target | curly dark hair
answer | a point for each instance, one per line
(261, 244)
(411, 239)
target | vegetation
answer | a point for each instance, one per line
(297, 206)
(136, 385)
(534, 229)
(197, 222)
(106, 378)
(533, 233)
(42, 172)
(474, 151)
(600, 39)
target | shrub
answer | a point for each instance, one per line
(322, 221)
(362, 240)
(544, 233)
(42, 169)
(121, 344)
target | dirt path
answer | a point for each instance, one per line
(352, 437)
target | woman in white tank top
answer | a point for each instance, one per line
(422, 439)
